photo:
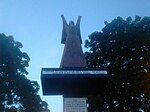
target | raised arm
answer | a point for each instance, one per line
(78, 28)
(64, 31)
(78, 21)
(64, 20)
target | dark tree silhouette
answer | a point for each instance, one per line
(17, 93)
(123, 47)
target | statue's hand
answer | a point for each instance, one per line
(62, 16)
(80, 17)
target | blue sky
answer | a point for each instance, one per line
(38, 26)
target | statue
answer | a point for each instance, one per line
(71, 28)
(73, 55)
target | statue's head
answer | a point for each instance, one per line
(71, 23)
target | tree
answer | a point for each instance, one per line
(17, 93)
(123, 48)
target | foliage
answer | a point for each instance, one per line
(123, 47)
(17, 93)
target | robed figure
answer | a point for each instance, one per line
(73, 55)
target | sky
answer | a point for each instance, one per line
(38, 26)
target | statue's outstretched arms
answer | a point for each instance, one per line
(64, 20)
(78, 21)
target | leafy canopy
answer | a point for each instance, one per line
(17, 93)
(123, 47)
